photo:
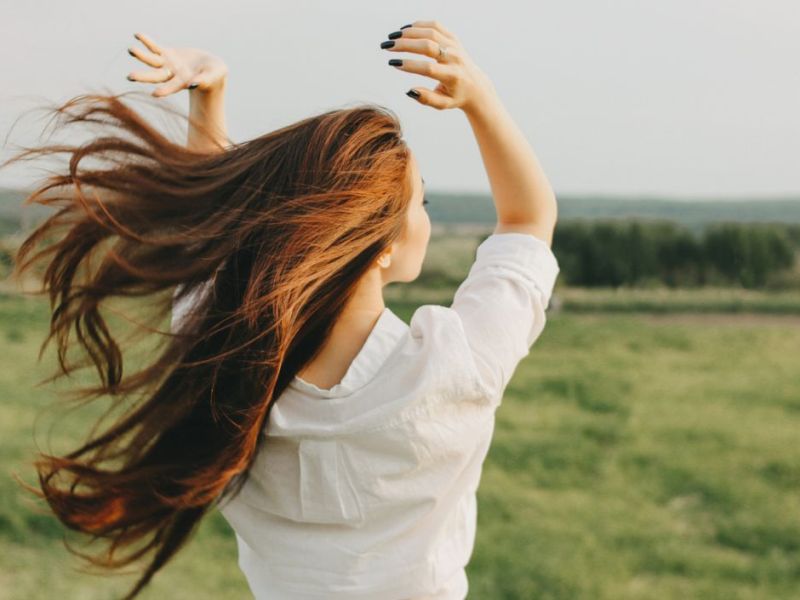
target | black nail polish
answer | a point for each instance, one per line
(395, 34)
(395, 62)
(405, 26)
(130, 78)
(387, 44)
(412, 93)
(193, 85)
(130, 52)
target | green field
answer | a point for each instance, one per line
(635, 456)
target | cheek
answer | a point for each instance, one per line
(418, 234)
(422, 228)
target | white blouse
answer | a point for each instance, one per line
(367, 490)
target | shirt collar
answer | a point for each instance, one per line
(380, 342)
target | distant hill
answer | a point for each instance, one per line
(477, 209)
(695, 214)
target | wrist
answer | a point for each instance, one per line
(484, 100)
(483, 106)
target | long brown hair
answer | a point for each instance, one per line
(280, 227)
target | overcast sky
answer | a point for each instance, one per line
(678, 97)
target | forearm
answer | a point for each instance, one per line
(207, 111)
(522, 194)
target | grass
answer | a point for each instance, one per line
(641, 460)
(665, 300)
(633, 459)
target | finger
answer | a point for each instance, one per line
(172, 86)
(437, 26)
(202, 80)
(442, 72)
(453, 47)
(426, 47)
(151, 76)
(425, 33)
(154, 60)
(148, 41)
(431, 98)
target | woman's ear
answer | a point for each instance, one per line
(384, 260)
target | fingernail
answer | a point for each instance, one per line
(412, 93)
(387, 44)
(130, 78)
(396, 62)
(405, 26)
(193, 85)
(131, 52)
(395, 34)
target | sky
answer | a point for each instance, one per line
(686, 98)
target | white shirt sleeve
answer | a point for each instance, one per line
(502, 303)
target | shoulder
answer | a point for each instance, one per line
(439, 341)
(432, 321)
(437, 327)
(514, 256)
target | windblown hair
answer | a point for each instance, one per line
(279, 229)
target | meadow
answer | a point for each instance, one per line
(635, 455)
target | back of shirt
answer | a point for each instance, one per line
(367, 490)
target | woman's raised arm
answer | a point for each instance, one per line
(523, 198)
(203, 74)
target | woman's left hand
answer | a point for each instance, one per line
(178, 68)
(462, 84)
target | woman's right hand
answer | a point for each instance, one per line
(462, 84)
(190, 68)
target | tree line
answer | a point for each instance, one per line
(634, 253)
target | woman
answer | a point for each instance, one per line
(343, 446)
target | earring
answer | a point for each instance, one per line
(385, 263)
